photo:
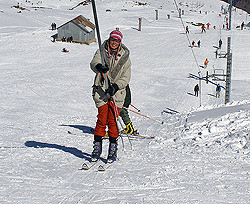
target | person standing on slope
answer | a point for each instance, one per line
(193, 43)
(218, 89)
(124, 113)
(203, 28)
(196, 90)
(206, 63)
(220, 43)
(208, 24)
(242, 25)
(199, 44)
(118, 70)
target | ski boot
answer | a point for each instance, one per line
(129, 128)
(96, 151)
(112, 152)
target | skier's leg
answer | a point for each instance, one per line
(99, 131)
(102, 119)
(113, 133)
(124, 115)
(112, 121)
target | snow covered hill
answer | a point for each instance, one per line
(200, 154)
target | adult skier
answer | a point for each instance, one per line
(199, 44)
(193, 43)
(208, 24)
(118, 70)
(218, 89)
(206, 63)
(216, 53)
(196, 90)
(203, 28)
(220, 43)
(242, 25)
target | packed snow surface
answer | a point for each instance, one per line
(200, 154)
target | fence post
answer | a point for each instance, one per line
(139, 29)
(156, 14)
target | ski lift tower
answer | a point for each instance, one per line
(229, 61)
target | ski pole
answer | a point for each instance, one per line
(99, 41)
(135, 108)
(144, 115)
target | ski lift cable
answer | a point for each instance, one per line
(189, 42)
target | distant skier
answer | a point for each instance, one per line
(242, 25)
(64, 50)
(203, 28)
(216, 53)
(193, 43)
(53, 38)
(206, 63)
(53, 26)
(196, 90)
(218, 89)
(220, 43)
(118, 69)
(208, 24)
(199, 44)
(187, 30)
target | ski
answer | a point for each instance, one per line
(106, 136)
(105, 166)
(88, 165)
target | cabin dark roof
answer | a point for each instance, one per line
(82, 22)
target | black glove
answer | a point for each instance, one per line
(112, 89)
(102, 69)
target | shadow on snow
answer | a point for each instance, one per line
(72, 150)
(83, 128)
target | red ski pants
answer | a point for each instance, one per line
(106, 116)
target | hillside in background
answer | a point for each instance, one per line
(241, 4)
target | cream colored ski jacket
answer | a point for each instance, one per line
(119, 73)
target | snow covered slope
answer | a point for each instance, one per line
(199, 155)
